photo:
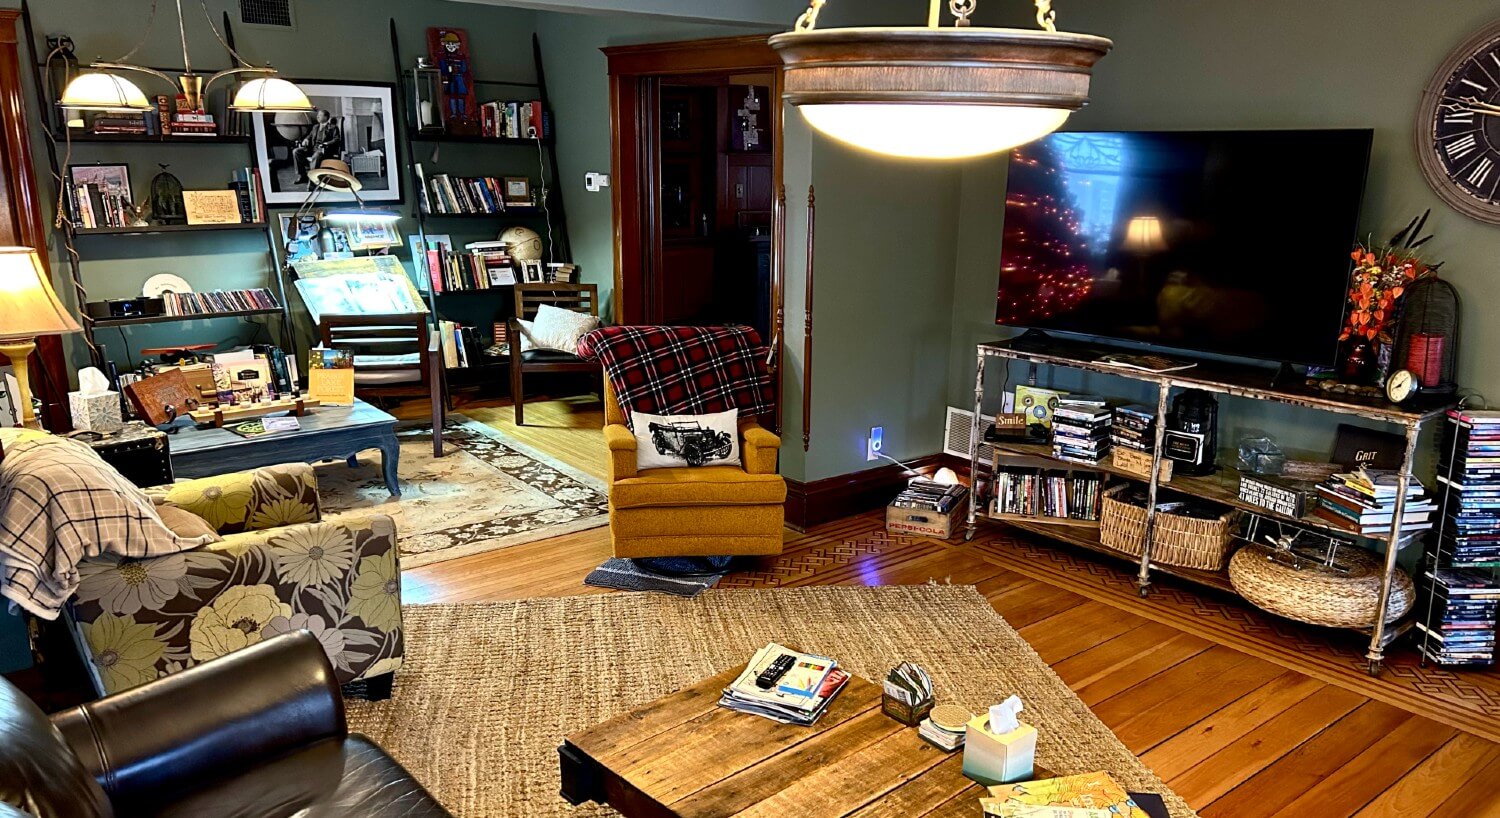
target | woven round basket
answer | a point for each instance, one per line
(1316, 595)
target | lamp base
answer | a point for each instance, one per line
(19, 352)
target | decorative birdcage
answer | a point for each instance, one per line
(1427, 339)
(166, 198)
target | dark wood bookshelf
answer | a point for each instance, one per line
(154, 139)
(165, 319)
(156, 229)
(415, 136)
(517, 210)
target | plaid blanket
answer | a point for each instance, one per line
(683, 370)
(61, 504)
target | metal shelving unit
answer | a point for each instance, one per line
(1221, 487)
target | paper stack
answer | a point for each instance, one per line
(799, 696)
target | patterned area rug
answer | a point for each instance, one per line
(487, 491)
(488, 691)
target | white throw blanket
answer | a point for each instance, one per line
(60, 504)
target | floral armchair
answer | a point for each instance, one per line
(278, 568)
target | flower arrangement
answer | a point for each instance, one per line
(1381, 276)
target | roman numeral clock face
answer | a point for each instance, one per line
(1458, 128)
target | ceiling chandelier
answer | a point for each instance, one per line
(933, 92)
(105, 90)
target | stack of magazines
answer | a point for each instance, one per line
(797, 696)
(931, 495)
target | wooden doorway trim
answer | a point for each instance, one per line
(635, 73)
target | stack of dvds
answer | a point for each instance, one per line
(1457, 614)
(930, 495)
(1134, 427)
(1469, 491)
(1080, 429)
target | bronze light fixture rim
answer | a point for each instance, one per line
(954, 37)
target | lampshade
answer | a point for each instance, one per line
(98, 91)
(28, 305)
(934, 92)
(270, 94)
(1143, 235)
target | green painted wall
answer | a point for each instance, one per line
(1272, 64)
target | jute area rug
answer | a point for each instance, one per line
(488, 691)
(487, 491)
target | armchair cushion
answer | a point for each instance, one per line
(250, 500)
(142, 619)
(703, 486)
(185, 523)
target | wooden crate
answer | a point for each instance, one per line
(1138, 463)
(926, 523)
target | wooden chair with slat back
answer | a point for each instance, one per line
(395, 356)
(530, 298)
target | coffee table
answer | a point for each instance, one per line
(327, 433)
(683, 755)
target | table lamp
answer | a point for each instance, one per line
(28, 308)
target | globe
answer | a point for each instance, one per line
(524, 243)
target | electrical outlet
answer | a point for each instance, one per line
(875, 443)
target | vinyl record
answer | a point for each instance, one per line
(162, 283)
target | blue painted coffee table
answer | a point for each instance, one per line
(327, 433)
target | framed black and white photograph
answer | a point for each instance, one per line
(354, 123)
(111, 180)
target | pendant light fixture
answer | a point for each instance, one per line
(933, 92)
(103, 89)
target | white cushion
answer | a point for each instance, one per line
(686, 440)
(556, 328)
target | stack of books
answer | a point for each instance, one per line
(514, 120)
(1456, 616)
(798, 695)
(93, 206)
(193, 123)
(448, 194)
(1081, 429)
(1038, 493)
(931, 495)
(1363, 502)
(251, 194)
(1134, 427)
(133, 125)
(1469, 490)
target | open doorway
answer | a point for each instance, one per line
(697, 160)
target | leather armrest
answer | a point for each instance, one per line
(177, 733)
(621, 442)
(758, 448)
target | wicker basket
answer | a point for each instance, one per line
(1186, 542)
(1316, 595)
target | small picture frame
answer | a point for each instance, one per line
(112, 180)
(373, 234)
(532, 272)
(517, 190)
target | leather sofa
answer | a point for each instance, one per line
(258, 733)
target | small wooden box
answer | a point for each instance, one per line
(925, 523)
(1139, 463)
(903, 712)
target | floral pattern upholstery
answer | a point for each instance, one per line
(279, 568)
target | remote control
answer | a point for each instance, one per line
(777, 669)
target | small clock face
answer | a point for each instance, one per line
(1458, 128)
(1400, 386)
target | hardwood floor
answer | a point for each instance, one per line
(1229, 722)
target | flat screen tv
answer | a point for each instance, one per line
(1228, 242)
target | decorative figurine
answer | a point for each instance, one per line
(449, 49)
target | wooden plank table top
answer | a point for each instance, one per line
(684, 756)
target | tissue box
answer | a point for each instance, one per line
(96, 413)
(998, 758)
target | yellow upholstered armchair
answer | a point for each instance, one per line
(693, 512)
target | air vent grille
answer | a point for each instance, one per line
(271, 13)
(958, 426)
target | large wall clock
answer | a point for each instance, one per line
(1458, 128)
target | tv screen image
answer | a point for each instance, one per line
(1229, 242)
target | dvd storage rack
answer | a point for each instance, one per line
(1023, 490)
(1458, 590)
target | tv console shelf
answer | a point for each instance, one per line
(1227, 379)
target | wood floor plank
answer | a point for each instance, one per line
(1475, 798)
(1273, 787)
(1213, 733)
(1109, 667)
(1367, 775)
(1077, 629)
(1153, 725)
(1029, 604)
(1211, 778)
(1422, 791)
(1181, 681)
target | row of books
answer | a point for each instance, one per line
(1456, 612)
(1081, 429)
(445, 193)
(1363, 502)
(458, 344)
(930, 495)
(171, 116)
(214, 301)
(1134, 427)
(251, 192)
(473, 268)
(514, 120)
(799, 694)
(1045, 493)
(92, 205)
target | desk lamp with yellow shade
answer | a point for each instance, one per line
(28, 308)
